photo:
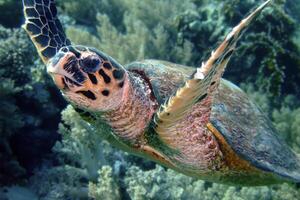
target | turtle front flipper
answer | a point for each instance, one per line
(205, 80)
(181, 123)
(44, 28)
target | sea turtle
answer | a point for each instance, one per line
(187, 119)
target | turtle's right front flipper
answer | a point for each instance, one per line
(44, 28)
(201, 87)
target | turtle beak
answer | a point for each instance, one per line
(60, 82)
(64, 71)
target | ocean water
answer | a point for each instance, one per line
(49, 150)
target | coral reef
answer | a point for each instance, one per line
(17, 193)
(287, 122)
(30, 107)
(82, 165)
(107, 187)
(138, 35)
(167, 184)
(10, 167)
(267, 50)
(11, 13)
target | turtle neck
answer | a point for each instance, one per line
(130, 119)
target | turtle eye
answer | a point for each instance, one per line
(90, 64)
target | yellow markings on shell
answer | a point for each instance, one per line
(231, 159)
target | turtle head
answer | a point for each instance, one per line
(88, 78)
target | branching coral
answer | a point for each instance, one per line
(82, 145)
(167, 184)
(107, 187)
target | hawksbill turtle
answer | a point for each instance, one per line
(187, 119)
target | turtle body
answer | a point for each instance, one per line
(245, 140)
(187, 119)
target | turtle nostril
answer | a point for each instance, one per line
(90, 64)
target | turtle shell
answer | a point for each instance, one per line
(165, 77)
(251, 134)
(248, 132)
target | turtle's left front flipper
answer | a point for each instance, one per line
(44, 28)
(202, 85)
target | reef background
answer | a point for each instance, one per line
(48, 152)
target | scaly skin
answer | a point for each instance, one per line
(135, 112)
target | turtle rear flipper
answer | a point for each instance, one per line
(44, 28)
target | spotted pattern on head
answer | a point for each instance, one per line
(44, 28)
(94, 73)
